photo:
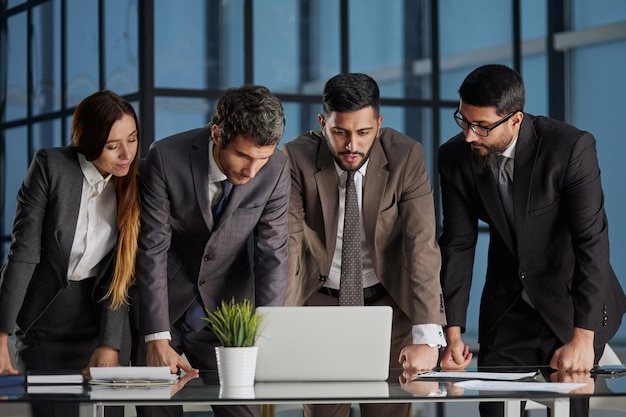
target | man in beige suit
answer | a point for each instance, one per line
(399, 260)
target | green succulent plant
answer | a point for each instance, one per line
(234, 323)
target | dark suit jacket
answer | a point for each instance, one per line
(182, 253)
(43, 232)
(398, 216)
(560, 250)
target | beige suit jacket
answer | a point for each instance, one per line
(398, 216)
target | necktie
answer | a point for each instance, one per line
(505, 186)
(196, 311)
(351, 284)
(227, 187)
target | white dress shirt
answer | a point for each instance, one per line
(96, 228)
(431, 334)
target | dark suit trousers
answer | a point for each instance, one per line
(199, 349)
(64, 337)
(522, 338)
(401, 336)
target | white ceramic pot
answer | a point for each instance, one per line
(230, 392)
(236, 365)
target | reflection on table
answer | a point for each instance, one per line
(206, 389)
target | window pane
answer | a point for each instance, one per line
(121, 53)
(277, 24)
(448, 127)
(231, 44)
(47, 134)
(463, 50)
(16, 63)
(173, 46)
(324, 59)
(534, 55)
(46, 54)
(300, 117)
(12, 3)
(604, 63)
(415, 122)
(306, 45)
(174, 115)
(82, 50)
(534, 19)
(211, 46)
(16, 165)
(595, 13)
(296, 115)
(379, 53)
(535, 74)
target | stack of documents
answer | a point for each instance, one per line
(132, 376)
(54, 377)
(131, 382)
(54, 382)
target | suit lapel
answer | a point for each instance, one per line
(66, 229)
(327, 185)
(525, 158)
(199, 159)
(374, 187)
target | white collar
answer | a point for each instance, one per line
(91, 173)
(215, 175)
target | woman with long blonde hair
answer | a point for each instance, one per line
(71, 262)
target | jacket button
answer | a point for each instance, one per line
(322, 278)
(207, 257)
(522, 275)
(202, 283)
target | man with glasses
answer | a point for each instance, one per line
(550, 296)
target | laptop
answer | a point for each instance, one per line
(323, 343)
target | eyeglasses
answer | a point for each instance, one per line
(478, 129)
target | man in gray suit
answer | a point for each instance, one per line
(397, 254)
(190, 259)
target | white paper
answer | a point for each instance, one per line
(562, 387)
(57, 377)
(128, 375)
(501, 376)
(55, 389)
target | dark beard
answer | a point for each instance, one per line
(487, 163)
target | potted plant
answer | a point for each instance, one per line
(235, 324)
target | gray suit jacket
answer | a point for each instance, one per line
(43, 232)
(559, 252)
(183, 254)
(398, 216)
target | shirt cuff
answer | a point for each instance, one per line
(428, 334)
(157, 336)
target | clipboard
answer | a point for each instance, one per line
(132, 376)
